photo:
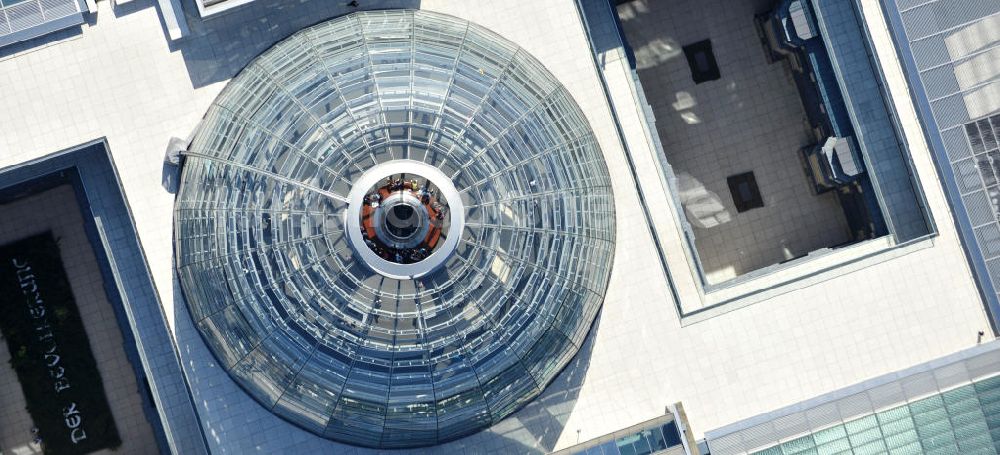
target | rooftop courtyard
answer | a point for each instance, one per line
(753, 123)
(19, 434)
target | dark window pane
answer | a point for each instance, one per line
(994, 194)
(670, 433)
(625, 446)
(995, 122)
(974, 139)
(986, 170)
(989, 140)
(641, 445)
(656, 440)
(995, 160)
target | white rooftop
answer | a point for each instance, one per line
(124, 79)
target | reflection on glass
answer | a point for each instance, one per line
(654, 438)
(283, 300)
(962, 420)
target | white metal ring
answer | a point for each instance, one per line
(456, 210)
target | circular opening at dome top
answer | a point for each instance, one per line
(405, 218)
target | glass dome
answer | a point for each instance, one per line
(494, 216)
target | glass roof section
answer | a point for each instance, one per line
(314, 329)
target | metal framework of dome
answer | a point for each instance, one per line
(394, 335)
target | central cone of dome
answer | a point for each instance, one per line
(402, 221)
(394, 228)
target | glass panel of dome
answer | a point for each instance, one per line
(228, 335)
(336, 105)
(313, 401)
(462, 413)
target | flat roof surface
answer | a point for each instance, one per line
(951, 63)
(121, 78)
